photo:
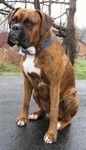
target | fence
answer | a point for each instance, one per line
(9, 56)
(81, 56)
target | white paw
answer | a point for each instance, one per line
(59, 126)
(33, 116)
(47, 140)
(21, 123)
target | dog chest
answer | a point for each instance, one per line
(29, 65)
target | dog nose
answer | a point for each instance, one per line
(16, 27)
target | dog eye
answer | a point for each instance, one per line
(28, 22)
(14, 20)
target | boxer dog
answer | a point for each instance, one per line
(46, 69)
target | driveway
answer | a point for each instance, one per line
(30, 137)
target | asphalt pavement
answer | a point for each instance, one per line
(30, 137)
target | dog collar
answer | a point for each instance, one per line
(25, 51)
(45, 44)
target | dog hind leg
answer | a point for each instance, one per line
(64, 123)
(70, 107)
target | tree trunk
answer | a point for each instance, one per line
(37, 4)
(70, 42)
(49, 7)
(25, 3)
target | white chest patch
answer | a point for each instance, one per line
(29, 65)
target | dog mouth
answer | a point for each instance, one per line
(19, 41)
(18, 37)
(13, 40)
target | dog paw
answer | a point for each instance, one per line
(21, 121)
(59, 127)
(33, 116)
(49, 138)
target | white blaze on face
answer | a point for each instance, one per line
(28, 64)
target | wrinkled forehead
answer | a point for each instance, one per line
(22, 14)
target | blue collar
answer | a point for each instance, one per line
(46, 44)
(25, 51)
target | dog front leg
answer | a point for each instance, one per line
(23, 117)
(51, 134)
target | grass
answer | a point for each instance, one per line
(80, 69)
(9, 69)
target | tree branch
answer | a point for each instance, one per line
(59, 27)
(1, 10)
(62, 14)
(3, 13)
(57, 2)
(6, 4)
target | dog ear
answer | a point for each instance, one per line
(11, 14)
(46, 22)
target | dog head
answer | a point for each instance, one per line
(27, 27)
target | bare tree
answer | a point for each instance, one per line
(70, 41)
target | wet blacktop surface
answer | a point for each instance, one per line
(30, 137)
